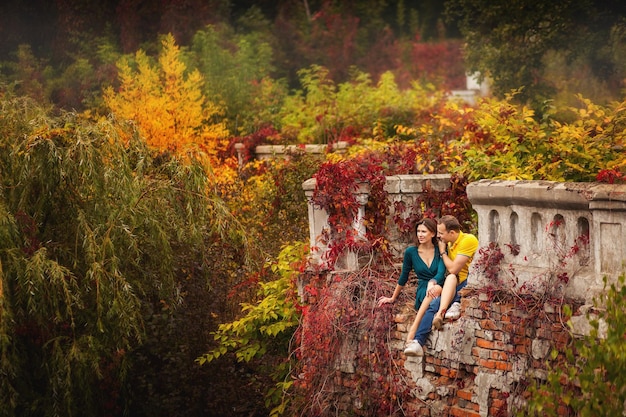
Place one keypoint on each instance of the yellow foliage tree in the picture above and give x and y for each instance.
(166, 103)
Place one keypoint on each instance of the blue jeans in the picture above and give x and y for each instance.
(427, 321)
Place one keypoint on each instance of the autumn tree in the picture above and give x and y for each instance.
(166, 102)
(514, 42)
(236, 68)
(101, 243)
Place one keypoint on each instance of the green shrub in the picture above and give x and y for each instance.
(589, 378)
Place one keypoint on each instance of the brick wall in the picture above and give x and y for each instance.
(477, 365)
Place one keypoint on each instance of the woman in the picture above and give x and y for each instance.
(423, 258)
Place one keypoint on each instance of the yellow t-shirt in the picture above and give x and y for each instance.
(466, 244)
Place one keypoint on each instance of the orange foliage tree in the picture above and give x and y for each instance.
(166, 102)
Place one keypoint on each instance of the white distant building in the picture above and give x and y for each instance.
(474, 88)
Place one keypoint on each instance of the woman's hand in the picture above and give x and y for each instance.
(434, 291)
(385, 300)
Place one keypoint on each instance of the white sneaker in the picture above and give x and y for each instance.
(454, 312)
(414, 349)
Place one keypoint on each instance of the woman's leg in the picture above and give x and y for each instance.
(425, 326)
(447, 295)
(418, 318)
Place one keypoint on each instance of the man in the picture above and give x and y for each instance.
(457, 251)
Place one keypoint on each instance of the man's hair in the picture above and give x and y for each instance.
(451, 223)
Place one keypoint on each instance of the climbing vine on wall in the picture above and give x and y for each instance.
(503, 282)
(337, 184)
(345, 358)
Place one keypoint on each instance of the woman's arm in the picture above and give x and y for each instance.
(407, 265)
(440, 276)
(393, 298)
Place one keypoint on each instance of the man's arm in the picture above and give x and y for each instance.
(454, 266)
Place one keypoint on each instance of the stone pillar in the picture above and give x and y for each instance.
(239, 147)
(609, 221)
(400, 188)
(350, 260)
(318, 224)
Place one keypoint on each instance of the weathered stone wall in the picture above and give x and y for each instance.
(479, 365)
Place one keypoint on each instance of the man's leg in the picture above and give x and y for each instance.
(447, 295)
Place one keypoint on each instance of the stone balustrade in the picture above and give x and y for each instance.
(403, 188)
(545, 228)
(263, 152)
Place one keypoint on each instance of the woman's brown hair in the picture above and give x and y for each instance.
(431, 225)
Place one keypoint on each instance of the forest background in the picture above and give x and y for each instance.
(132, 236)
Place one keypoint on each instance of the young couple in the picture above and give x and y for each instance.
(440, 246)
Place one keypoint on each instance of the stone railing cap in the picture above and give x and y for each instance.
(574, 195)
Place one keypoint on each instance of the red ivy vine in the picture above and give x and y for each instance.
(336, 192)
(337, 184)
(345, 361)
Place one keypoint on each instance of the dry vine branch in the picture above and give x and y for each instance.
(347, 339)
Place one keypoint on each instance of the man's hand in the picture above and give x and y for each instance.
(442, 246)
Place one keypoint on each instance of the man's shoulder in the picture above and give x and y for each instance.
(469, 238)
(468, 244)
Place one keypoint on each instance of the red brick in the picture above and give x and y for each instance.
(468, 302)
(499, 356)
(466, 395)
(493, 411)
(443, 380)
(460, 412)
(502, 346)
(497, 403)
(487, 363)
(561, 338)
(498, 335)
(508, 327)
(557, 328)
(431, 360)
(488, 324)
(520, 340)
(484, 343)
(452, 373)
(521, 349)
(503, 366)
